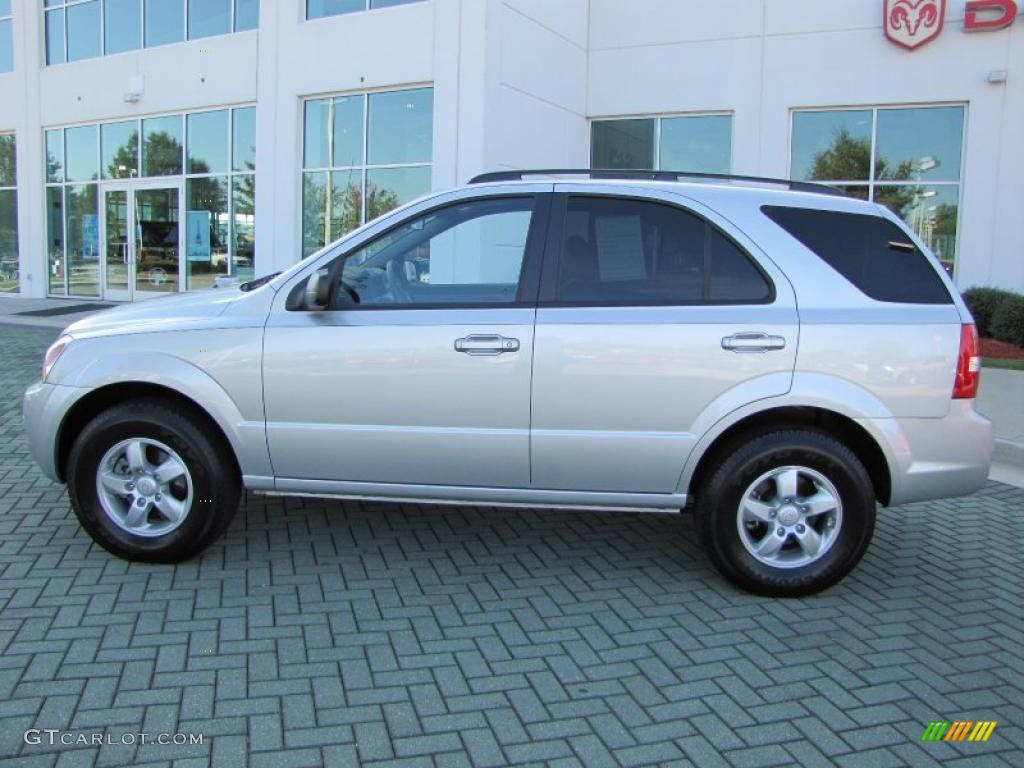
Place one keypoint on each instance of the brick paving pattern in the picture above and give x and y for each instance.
(322, 633)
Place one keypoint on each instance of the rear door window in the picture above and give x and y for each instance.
(626, 251)
(869, 251)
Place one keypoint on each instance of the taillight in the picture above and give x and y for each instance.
(968, 364)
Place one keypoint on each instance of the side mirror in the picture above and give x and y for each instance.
(318, 290)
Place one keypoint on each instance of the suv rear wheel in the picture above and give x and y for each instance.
(148, 482)
(787, 514)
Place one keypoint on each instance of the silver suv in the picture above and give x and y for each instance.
(773, 354)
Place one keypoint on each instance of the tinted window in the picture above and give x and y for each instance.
(617, 251)
(869, 251)
(465, 254)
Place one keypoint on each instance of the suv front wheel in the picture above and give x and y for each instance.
(149, 481)
(787, 514)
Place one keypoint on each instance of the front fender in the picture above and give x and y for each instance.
(93, 370)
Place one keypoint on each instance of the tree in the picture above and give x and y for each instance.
(162, 154)
(849, 159)
(125, 162)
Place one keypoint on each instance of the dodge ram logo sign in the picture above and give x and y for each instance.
(912, 23)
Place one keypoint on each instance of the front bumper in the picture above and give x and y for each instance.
(43, 408)
(938, 458)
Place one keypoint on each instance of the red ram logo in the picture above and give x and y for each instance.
(912, 23)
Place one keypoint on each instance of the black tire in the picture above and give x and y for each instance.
(718, 505)
(216, 485)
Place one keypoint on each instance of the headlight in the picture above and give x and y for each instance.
(53, 353)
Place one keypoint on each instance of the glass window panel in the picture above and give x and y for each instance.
(247, 14)
(832, 146)
(316, 9)
(346, 202)
(400, 126)
(8, 161)
(734, 278)
(388, 188)
(83, 232)
(858, 192)
(165, 21)
(462, 254)
(389, 3)
(922, 144)
(122, 22)
(316, 145)
(207, 228)
(55, 240)
(5, 7)
(243, 225)
(931, 211)
(83, 30)
(622, 144)
(314, 212)
(55, 155)
(119, 144)
(348, 131)
(630, 250)
(82, 153)
(208, 17)
(55, 37)
(208, 142)
(6, 46)
(9, 270)
(157, 222)
(243, 143)
(161, 146)
(860, 248)
(701, 143)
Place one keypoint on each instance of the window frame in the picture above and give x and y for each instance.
(10, 17)
(364, 167)
(555, 244)
(367, 6)
(60, 7)
(529, 275)
(658, 117)
(101, 182)
(871, 183)
(13, 187)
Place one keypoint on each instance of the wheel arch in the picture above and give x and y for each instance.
(841, 426)
(85, 409)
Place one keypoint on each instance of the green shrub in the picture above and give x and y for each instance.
(1008, 321)
(984, 303)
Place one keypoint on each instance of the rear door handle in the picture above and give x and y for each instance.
(753, 341)
(486, 344)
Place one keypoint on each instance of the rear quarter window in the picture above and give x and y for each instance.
(869, 251)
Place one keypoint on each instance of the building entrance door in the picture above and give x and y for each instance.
(142, 240)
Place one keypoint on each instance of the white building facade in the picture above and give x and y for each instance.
(155, 146)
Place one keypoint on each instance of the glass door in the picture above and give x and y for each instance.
(156, 216)
(117, 281)
(141, 236)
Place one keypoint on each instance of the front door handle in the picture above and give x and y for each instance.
(486, 344)
(753, 341)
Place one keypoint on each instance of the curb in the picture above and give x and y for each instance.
(1009, 452)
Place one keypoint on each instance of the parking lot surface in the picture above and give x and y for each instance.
(328, 633)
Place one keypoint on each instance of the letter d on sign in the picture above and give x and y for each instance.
(988, 15)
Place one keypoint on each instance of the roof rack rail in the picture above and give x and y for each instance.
(642, 175)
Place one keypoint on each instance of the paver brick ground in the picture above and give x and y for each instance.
(327, 633)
